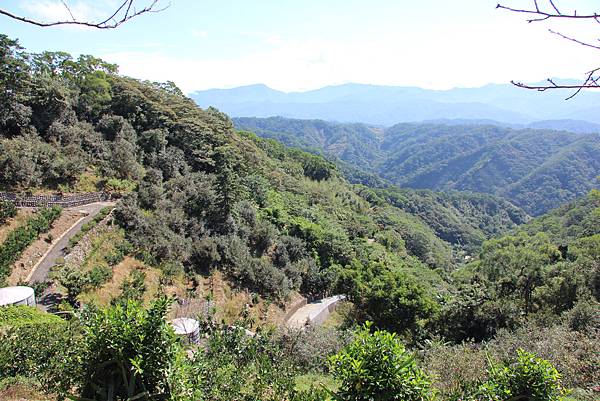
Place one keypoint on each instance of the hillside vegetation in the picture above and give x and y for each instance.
(205, 197)
(426, 270)
(537, 170)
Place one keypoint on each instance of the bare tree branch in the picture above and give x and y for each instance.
(597, 47)
(592, 80)
(544, 15)
(125, 12)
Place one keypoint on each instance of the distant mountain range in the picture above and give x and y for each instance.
(389, 105)
(537, 169)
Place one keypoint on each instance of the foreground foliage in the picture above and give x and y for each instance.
(126, 352)
(376, 366)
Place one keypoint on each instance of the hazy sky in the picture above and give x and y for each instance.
(305, 44)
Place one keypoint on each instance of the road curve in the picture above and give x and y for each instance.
(40, 272)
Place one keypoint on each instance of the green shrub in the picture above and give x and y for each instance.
(121, 250)
(529, 379)
(376, 366)
(310, 347)
(119, 185)
(584, 316)
(21, 237)
(574, 354)
(16, 316)
(99, 275)
(7, 211)
(235, 366)
(132, 289)
(127, 351)
(39, 346)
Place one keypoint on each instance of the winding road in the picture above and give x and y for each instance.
(40, 271)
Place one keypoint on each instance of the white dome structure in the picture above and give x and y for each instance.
(17, 296)
(187, 328)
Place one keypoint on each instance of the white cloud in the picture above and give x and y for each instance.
(52, 10)
(444, 57)
(198, 34)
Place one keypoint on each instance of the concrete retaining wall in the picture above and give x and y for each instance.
(330, 306)
(67, 200)
(314, 313)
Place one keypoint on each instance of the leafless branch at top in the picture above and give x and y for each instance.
(540, 15)
(122, 14)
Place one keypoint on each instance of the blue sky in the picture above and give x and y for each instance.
(298, 45)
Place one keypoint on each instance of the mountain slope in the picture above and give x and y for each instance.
(537, 170)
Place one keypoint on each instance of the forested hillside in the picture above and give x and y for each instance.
(198, 196)
(198, 199)
(546, 267)
(535, 169)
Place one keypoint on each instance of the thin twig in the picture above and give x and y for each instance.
(111, 22)
(574, 40)
(590, 82)
(68, 9)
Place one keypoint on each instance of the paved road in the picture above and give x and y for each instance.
(314, 313)
(40, 274)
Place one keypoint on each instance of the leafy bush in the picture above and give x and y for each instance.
(574, 354)
(99, 275)
(584, 316)
(122, 249)
(529, 378)
(376, 366)
(111, 354)
(21, 237)
(132, 289)
(236, 366)
(87, 227)
(458, 368)
(127, 351)
(7, 211)
(39, 346)
(309, 348)
(119, 185)
(391, 298)
(16, 316)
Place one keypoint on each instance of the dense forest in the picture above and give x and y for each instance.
(197, 196)
(535, 169)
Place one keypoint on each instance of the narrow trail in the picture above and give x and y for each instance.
(40, 271)
(314, 313)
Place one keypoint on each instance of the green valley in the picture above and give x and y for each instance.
(537, 170)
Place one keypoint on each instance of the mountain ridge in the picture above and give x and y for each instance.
(389, 105)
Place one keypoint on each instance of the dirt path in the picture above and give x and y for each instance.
(39, 272)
